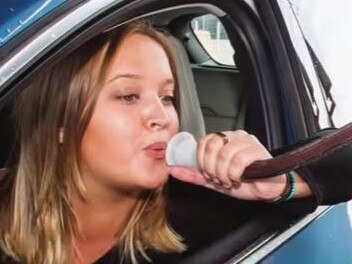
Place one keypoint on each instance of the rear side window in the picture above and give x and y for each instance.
(213, 37)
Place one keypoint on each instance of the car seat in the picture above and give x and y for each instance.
(191, 118)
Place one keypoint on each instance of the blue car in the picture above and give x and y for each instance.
(279, 69)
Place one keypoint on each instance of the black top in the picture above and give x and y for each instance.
(113, 256)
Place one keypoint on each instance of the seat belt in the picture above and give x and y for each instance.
(303, 155)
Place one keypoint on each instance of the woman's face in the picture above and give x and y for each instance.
(123, 147)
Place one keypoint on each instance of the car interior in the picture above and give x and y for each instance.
(214, 97)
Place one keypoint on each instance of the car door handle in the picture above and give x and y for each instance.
(305, 154)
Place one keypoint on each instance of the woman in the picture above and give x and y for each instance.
(90, 171)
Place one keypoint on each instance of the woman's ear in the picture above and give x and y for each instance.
(61, 135)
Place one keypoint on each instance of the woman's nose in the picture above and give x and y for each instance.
(155, 115)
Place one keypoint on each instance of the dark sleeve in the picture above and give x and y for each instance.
(330, 178)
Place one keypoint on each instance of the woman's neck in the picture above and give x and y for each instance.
(101, 219)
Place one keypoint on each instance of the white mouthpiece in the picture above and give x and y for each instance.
(182, 150)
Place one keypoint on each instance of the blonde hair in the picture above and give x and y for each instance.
(38, 221)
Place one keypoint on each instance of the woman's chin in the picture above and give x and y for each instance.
(154, 182)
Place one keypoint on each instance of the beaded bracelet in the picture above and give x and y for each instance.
(290, 191)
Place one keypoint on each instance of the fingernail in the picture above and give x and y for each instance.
(217, 181)
(235, 184)
(206, 176)
(227, 186)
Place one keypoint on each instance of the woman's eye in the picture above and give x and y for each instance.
(168, 99)
(129, 98)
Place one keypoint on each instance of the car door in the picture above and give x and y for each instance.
(280, 110)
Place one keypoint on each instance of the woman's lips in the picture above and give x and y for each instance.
(156, 150)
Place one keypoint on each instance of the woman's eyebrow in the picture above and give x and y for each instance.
(124, 75)
(168, 82)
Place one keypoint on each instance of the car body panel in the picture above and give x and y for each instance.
(328, 239)
(46, 40)
(17, 15)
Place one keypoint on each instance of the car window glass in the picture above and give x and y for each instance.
(214, 39)
(325, 25)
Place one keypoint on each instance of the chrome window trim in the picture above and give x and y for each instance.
(261, 250)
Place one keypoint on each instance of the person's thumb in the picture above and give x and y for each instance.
(187, 174)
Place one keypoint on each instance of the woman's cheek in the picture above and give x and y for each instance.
(175, 124)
